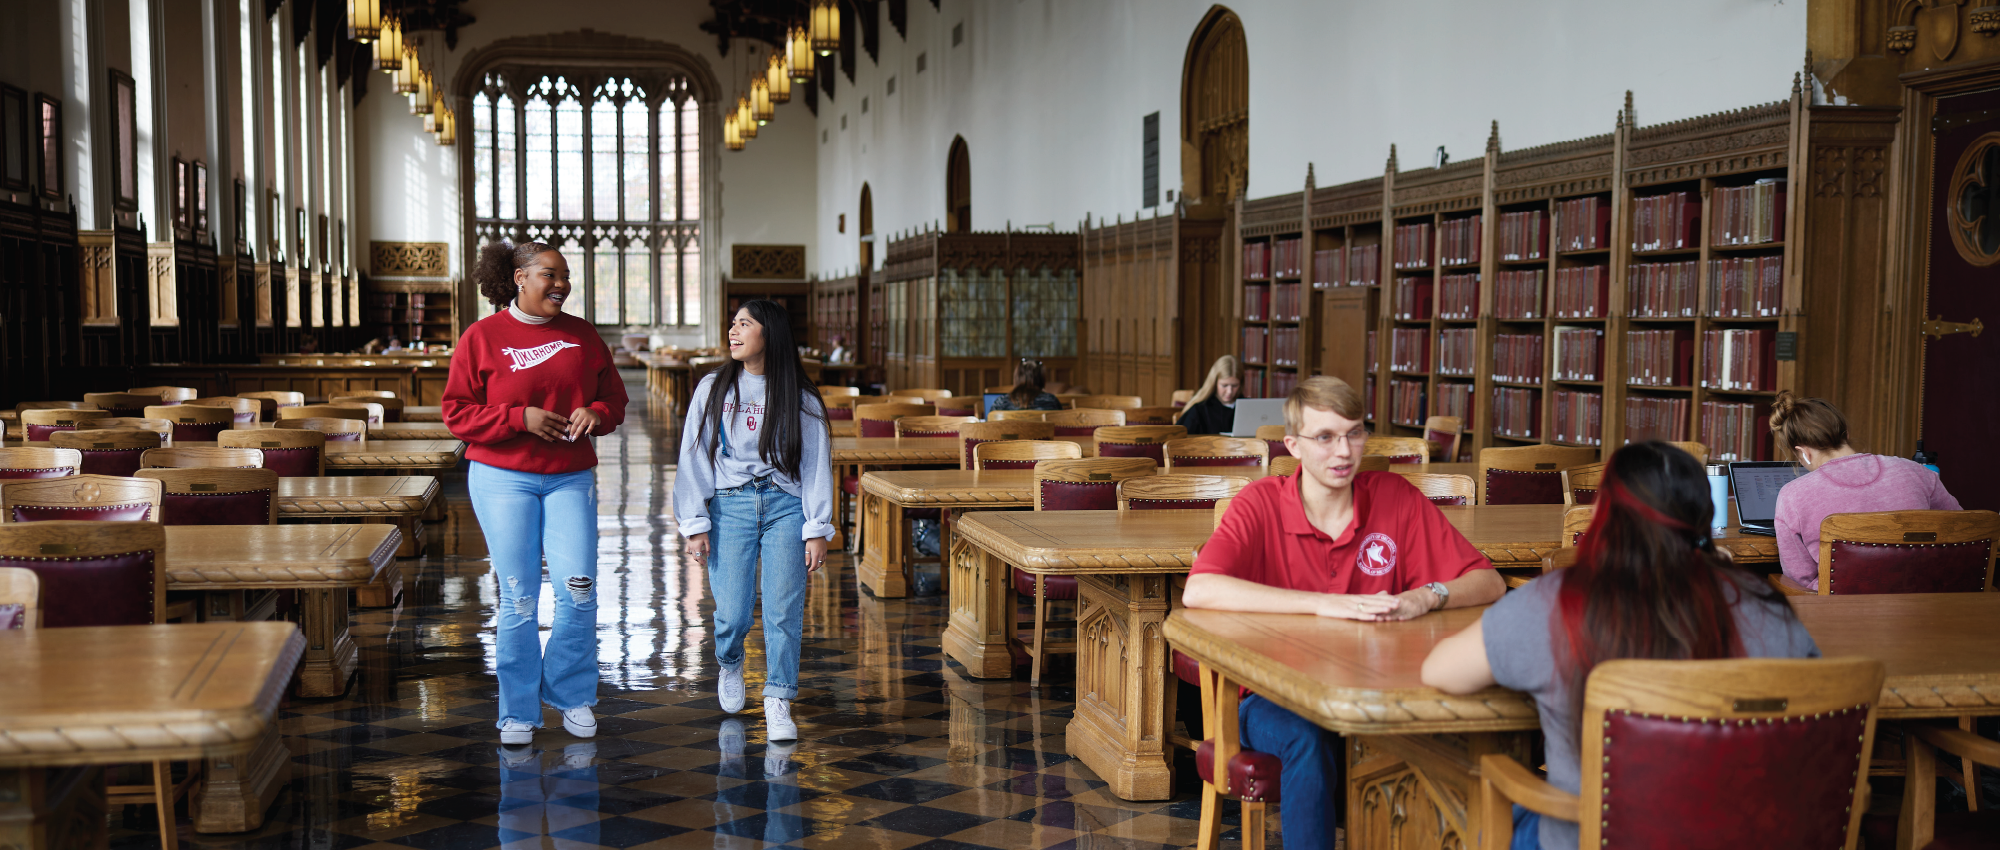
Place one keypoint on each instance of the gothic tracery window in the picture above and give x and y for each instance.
(606, 167)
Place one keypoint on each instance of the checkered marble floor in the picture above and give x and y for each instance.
(898, 748)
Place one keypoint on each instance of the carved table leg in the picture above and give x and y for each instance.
(885, 563)
(235, 792)
(384, 590)
(330, 654)
(982, 616)
(1420, 791)
(1123, 713)
(53, 808)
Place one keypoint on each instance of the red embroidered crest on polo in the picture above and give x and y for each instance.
(528, 358)
(1378, 554)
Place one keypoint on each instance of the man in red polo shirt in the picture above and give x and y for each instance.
(1338, 543)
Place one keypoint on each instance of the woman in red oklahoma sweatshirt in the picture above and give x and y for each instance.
(529, 387)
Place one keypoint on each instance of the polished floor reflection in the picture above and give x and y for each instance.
(898, 748)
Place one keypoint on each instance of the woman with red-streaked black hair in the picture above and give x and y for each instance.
(1648, 583)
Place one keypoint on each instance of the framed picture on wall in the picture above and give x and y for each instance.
(124, 143)
(48, 113)
(200, 197)
(179, 170)
(299, 232)
(16, 140)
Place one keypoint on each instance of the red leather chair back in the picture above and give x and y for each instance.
(1406, 458)
(52, 472)
(40, 433)
(248, 507)
(840, 414)
(1079, 495)
(120, 462)
(1583, 495)
(199, 432)
(1689, 781)
(1170, 504)
(1449, 501)
(1075, 430)
(875, 428)
(294, 463)
(1156, 451)
(355, 437)
(1246, 460)
(956, 411)
(1858, 568)
(96, 590)
(134, 512)
(1010, 464)
(1278, 448)
(1508, 487)
(1444, 439)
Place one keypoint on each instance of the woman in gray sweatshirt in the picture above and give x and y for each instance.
(755, 483)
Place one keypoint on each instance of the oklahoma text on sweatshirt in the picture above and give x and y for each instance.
(1859, 483)
(503, 366)
(737, 460)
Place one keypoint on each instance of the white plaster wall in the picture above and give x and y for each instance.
(1050, 95)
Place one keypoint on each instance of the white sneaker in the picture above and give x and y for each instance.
(515, 733)
(731, 737)
(580, 721)
(776, 756)
(730, 691)
(578, 756)
(778, 725)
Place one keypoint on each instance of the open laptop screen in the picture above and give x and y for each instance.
(1757, 484)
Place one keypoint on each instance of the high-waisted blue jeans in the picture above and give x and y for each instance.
(527, 516)
(758, 521)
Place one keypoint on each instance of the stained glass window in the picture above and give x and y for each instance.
(609, 170)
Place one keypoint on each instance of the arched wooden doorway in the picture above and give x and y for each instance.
(1215, 169)
(958, 188)
(866, 217)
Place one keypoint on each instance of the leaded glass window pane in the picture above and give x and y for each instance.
(670, 187)
(604, 274)
(637, 152)
(604, 159)
(670, 280)
(569, 158)
(506, 160)
(540, 146)
(482, 155)
(638, 284)
(690, 160)
(691, 283)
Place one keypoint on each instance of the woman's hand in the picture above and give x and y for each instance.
(815, 554)
(583, 423)
(697, 546)
(546, 424)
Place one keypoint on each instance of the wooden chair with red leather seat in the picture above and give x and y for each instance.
(39, 462)
(940, 426)
(202, 457)
(194, 423)
(271, 401)
(1022, 454)
(1136, 441)
(1580, 483)
(1919, 823)
(891, 398)
(348, 410)
(1107, 402)
(124, 404)
(1087, 484)
(247, 409)
(972, 434)
(105, 574)
(1228, 771)
(1174, 492)
(1399, 449)
(1274, 436)
(291, 452)
(37, 425)
(839, 408)
(20, 599)
(1445, 434)
(1151, 415)
(1771, 752)
(1082, 421)
(1699, 451)
(391, 406)
(879, 420)
(1208, 451)
(946, 403)
(1018, 415)
(168, 395)
(338, 429)
(217, 496)
(1283, 465)
(1445, 490)
(97, 498)
(162, 427)
(1904, 552)
(109, 451)
(1181, 397)
(1527, 475)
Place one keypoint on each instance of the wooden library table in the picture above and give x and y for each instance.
(385, 455)
(1412, 751)
(423, 413)
(319, 561)
(885, 565)
(396, 431)
(399, 500)
(1519, 536)
(81, 698)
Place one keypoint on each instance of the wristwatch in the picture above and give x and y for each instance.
(1444, 593)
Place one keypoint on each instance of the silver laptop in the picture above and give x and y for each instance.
(1756, 484)
(1254, 412)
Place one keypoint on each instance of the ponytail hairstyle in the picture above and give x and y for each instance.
(1810, 422)
(1648, 581)
(781, 437)
(1028, 382)
(1225, 367)
(494, 272)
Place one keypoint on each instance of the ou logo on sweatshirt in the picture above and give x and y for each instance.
(529, 358)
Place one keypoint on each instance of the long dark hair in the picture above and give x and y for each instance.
(781, 440)
(1028, 383)
(1648, 581)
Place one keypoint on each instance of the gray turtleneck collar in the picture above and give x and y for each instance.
(514, 307)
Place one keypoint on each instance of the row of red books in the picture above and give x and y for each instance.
(1519, 295)
(1253, 383)
(1662, 290)
(1523, 235)
(1453, 399)
(1748, 215)
(1517, 412)
(1736, 430)
(1458, 297)
(1739, 359)
(1659, 358)
(1413, 246)
(1458, 240)
(1582, 292)
(1583, 224)
(1372, 351)
(1280, 383)
(1256, 302)
(1284, 347)
(1667, 222)
(1454, 351)
(1413, 298)
(1579, 354)
(1266, 260)
(1652, 418)
(1287, 303)
(1368, 389)
(1517, 358)
(1579, 418)
(1410, 350)
(1745, 287)
(1357, 265)
(1406, 402)
(1256, 347)
(380, 299)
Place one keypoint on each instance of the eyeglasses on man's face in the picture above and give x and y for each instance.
(1357, 437)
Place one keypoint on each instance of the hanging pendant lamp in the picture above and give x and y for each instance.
(825, 27)
(389, 47)
(364, 20)
(799, 54)
(760, 100)
(778, 80)
(746, 121)
(420, 100)
(732, 138)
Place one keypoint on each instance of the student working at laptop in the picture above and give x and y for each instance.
(1212, 410)
(1840, 480)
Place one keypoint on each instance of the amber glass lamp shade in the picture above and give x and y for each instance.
(389, 47)
(760, 101)
(746, 121)
(778, 79)
(799, 54)
(364, 20)
(732, 138)
(825, 27)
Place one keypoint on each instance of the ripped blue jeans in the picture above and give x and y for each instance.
(526, 517)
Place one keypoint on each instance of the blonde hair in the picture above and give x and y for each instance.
(1321, 392)
(1810, 422)
(1225, 367)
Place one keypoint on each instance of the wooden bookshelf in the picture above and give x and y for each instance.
(957, 310)
(412, 311)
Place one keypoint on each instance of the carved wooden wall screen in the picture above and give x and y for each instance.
(409, 259)
(1216, 104)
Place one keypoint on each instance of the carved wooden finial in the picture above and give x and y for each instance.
(1309, 175)
(1392, 156)
(1795, 84)
(1493, 138)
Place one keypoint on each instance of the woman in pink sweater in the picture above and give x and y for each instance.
(1839, 480)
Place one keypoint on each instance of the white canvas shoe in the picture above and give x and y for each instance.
(580, 721)
(778, 725)
(730, 690)
(516, 733)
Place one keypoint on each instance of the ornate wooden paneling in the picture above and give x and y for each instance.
(1576, 167)
(1130, 309)
(409, 259)
(767, 262)
(1749, 139)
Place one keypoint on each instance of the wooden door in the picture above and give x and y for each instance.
(1962, 372)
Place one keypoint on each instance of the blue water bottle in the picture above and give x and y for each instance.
(1928, 459)
(1718, 492)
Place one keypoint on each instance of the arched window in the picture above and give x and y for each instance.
(958, 188)
(608, 168)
